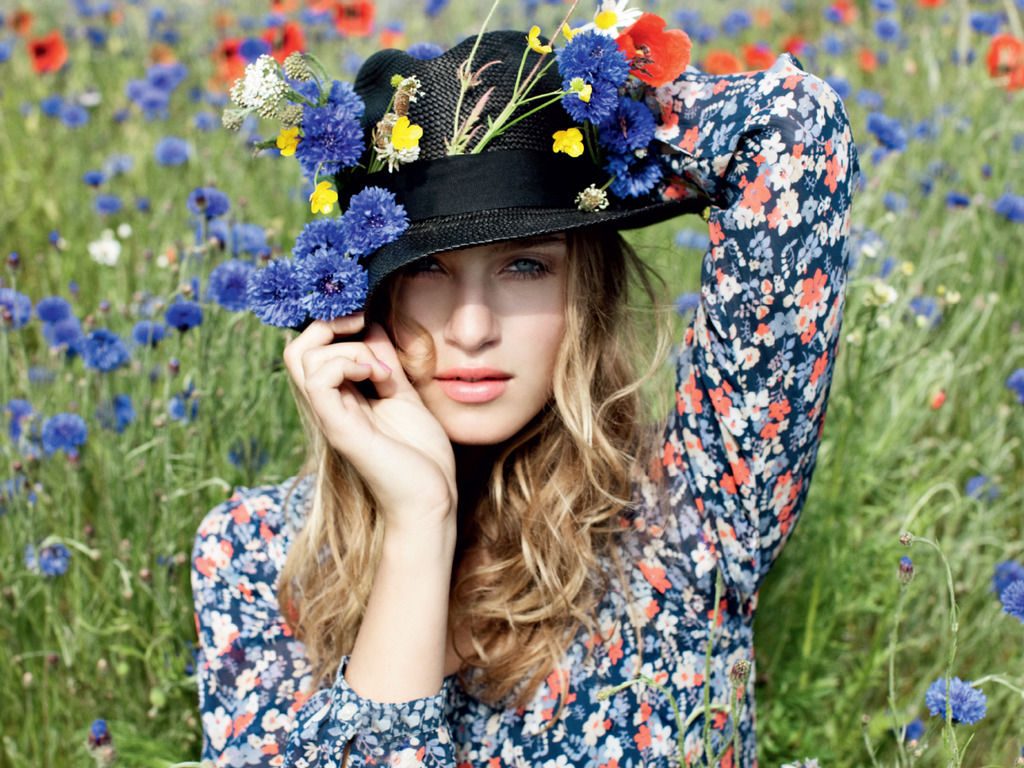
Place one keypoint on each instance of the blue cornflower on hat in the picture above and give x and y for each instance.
(336, 285)
(104, 351)
(597, 60)
(183, 315)
(228, 282)
(275, 295)
(373, 219)
(17, 305)
(51, 561)
(629, 128)
(116, 414)
(64, 432)
(967, 703)
(332, 134)
(633, 177)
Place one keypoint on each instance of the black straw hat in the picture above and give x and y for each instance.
(515, 187)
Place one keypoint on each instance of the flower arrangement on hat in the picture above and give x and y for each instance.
(607, 70)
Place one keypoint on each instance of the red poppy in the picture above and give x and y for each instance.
(719, 62)
(21, 22)
(1005, 54)
(867, 60)
(49, 53)
(656, 55)
(285, 40)
(930, 3)
(282, 6)
(354, 18)
(229, 61)
(795, 44)
(846, 11)
(762, 17)
(758, 56)
(390, 37)
(1016, 82)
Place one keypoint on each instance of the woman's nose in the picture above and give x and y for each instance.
(472, 324)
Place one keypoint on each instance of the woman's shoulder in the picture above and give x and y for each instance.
(250, 531)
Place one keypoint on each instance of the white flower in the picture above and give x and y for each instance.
(262, 87)
(106, 250)
(395, 157)
(611, 17)
(124, 231)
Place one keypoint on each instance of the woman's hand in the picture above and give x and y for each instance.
(393, 441)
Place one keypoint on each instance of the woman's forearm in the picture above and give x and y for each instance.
(399, 652)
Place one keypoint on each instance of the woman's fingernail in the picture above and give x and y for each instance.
(385, 366)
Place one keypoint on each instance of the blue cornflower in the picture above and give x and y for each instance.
(326, 233)
(1015, 381)
(228, 282)
(99, 733)
(914, 731)
(253, 47)
(894, 202)
(632, 177)
(884, 6)
(183, 315)
(117, 165)
(332, 135)
(979, 483)
(250, 456)
(840, 85)
(51, 105)
(166, 77)
(64, 432)
(735, 22)
(94, 178)
(66, 333)
(687, 302)
(20, 411)
(629, 128)
(6, 47)
(887, 29)
(275, 295)
(17, 305)
(1010, 207)
(205, 121)
(108, 204)
(986, 23)
(887, 130)
(424, 51)
(148, 333)
(171, 150)
(1005, 574)
(209, 202)
(598, 61)
(870, 99)
(104, 351)
(184, 406)
(52, 560)
(928, 308)
(373, 219)
(966, 702)
(1012, 599)
(53, 309)
(73, 115)
(956, 199)
(116, 414)
(434, 7)
(337, 284)
(248, 238)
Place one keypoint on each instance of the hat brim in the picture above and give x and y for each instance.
(449, 233)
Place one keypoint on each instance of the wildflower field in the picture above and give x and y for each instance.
(135, 395)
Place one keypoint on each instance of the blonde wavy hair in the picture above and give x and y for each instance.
(551, 513)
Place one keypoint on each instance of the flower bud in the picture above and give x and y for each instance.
(290, 115)
(297, 68)
(906, 538)
(232, 119)
(906, 570)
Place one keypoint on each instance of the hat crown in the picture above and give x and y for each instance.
(434, 109)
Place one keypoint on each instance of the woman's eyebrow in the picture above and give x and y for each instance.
(531, 242)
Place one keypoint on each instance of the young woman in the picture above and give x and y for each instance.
(488, 533)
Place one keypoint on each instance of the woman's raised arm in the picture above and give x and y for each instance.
(773, 152)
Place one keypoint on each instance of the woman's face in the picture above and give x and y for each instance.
(495, 317)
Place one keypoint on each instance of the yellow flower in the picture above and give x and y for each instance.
(581, 88)
(288, 140)
(569, 141)
(606, 19)
(323, 198)
(568, 32)
(534, 40)
(405, 135)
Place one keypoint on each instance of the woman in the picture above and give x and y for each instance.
(488, 543)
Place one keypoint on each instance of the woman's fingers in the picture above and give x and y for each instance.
(379, 344)
(319, 334)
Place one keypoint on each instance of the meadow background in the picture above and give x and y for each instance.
(925, 424)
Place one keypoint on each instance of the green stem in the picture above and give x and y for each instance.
(893, 635)
(464, 85)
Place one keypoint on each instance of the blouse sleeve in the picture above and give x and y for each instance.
(773, 153)
(255, 682)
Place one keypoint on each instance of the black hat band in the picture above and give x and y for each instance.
(458, 184)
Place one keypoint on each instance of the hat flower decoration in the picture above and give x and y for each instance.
(404, 162)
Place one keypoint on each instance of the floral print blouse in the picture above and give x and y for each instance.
(773, 153)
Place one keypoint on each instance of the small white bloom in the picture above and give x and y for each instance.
(612, 17)
(262, 87)
(124, 231)
(106, 250)
(396, 157)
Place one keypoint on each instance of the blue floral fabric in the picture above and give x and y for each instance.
(773, 154)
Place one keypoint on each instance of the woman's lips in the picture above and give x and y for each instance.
(473, 385)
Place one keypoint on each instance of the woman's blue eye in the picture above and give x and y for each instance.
(526, 268)
(423, 267)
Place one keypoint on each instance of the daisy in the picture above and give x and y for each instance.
(612, 16)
